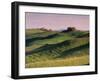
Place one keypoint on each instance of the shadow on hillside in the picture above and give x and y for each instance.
(73, 50)
(30, 40)
(48, 47)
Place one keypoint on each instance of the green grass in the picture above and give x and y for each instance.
(52, 48)
(72, 61)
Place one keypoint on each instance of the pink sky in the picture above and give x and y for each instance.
(56, 21)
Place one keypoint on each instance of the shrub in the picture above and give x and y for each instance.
(69, 29)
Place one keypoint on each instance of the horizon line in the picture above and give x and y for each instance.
(56, 29)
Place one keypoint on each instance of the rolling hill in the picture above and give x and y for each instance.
(56, 48)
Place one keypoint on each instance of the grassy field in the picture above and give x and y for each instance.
(56, 48)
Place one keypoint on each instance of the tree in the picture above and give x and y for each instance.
(69, 29)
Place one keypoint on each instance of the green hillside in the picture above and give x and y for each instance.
(56, 48)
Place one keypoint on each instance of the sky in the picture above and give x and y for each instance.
(56, 21)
